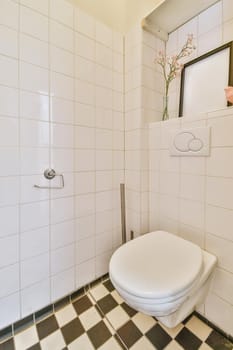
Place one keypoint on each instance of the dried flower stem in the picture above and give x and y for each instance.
(171, 67)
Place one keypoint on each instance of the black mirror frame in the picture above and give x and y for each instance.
(212, 52)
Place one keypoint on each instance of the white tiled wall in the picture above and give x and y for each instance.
(192, 197)
(142, 88)
(61, 93)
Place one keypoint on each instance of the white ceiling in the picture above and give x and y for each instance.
(121, 15)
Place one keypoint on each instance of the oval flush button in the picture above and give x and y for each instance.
(195, 145)
(190, 142)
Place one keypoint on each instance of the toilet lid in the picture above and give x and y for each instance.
(156, 265)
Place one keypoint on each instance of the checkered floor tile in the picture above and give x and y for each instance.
(102, 320)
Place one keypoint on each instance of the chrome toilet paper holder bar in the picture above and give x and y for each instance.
(50, 174)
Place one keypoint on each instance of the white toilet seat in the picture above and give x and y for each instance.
(169, 270)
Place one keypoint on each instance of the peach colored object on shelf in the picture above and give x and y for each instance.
(229, 93)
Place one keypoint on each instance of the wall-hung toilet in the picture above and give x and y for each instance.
(162, 275)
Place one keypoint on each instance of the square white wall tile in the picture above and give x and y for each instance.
(192, 187)
(84, 115)
(227, 10)
(62, 136)
(61, 36)
(85, 250)
(62, 234)
(118, 42)
(104, 56)
(34, 270)
(62, 284)
(33, 243)
(104, 77)
(84, 47)
(9, 128)
(62, 159)
(8, 42)
(62, 61)
(62, 259)
(102, 263)
(169, 183)
(118, 160)
(84, 23)
(103, 242)
(104, 34)
(67, 190)
(210, 18)
(84, 92)
(9, 14)
(35, 297)
(222, 285)
(33, 23)
(104, 117)
(7, 107)
(219, 222)
(219, 312)
(34, 79)
(84, 182)
(219, 192)
(104, 201)
(84, 69)
(34, 106)
(9, 158)
(227, 31)
(84, 137)
(85, 273)
(192, 234)
(192, 213)
(104, 160)
(220, 164)
(104, 221)
(62, 86)
(34, 133)
(62, 11)
(209, 40)
(9, 220)
(61, 111)
(193, 165)
(103, 139)
(40, 6)
(8, 71)
(34, 215)
(104, 180)
(9, 191)
(84, 205)
(10, 280)
(85, 160)
(85, 227)
(34, 51)
(34, 161)
(221, 131)
(62, 209)
(222, 249)
(10, 309)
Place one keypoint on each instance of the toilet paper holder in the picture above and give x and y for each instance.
(50, 174)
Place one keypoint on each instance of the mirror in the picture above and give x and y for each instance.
(203, 81)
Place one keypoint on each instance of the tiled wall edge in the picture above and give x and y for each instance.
(212, 325)
(47, 311)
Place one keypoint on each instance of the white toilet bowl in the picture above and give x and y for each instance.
(162, 275)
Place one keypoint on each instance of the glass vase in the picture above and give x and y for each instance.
(165, 107)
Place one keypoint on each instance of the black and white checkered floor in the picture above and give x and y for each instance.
(101, 320)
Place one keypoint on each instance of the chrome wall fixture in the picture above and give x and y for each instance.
(50, 174)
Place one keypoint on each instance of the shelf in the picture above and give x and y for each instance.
(171, 14)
